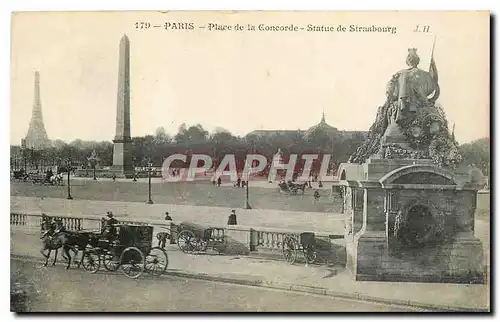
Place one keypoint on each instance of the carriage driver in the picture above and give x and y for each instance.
(49, 225)
(110, 228)
(59, 227)
(54, 228)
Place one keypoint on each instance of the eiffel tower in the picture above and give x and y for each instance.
(37, 137)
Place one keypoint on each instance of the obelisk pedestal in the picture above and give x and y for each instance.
(122, 143)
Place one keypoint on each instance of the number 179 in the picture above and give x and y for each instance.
(142, 25)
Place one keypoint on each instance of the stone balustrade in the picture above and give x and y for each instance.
(18, 219)
(234, 239)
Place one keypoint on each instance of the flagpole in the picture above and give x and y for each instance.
(432, 52)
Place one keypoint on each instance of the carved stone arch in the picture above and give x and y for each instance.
(419, 174)
(421, 222)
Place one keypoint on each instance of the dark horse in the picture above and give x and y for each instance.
(74, 241)
(59, 240)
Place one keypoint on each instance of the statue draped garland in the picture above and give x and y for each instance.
(410, 125)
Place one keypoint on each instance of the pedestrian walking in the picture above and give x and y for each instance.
(231, 220)
(316, 196)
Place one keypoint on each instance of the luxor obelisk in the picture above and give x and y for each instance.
(122, 143)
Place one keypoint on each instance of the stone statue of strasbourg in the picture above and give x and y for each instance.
(410, 125)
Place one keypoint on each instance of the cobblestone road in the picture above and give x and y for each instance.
(55, 289)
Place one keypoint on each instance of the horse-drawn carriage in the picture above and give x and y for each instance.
(128, 249)
(197, 238)
(291, 187)
(20, 175)
(303, 242)
(125, 247)
(47, 178)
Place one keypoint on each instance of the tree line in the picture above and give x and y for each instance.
(195, 139)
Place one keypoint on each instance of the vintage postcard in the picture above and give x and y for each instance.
(225, 161)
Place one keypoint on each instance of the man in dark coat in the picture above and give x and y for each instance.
(231, 220)
(164, 236)
(110, 226)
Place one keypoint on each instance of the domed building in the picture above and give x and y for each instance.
(322, 127)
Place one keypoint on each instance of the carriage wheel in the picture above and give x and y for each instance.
(157, 261)
(132, 262)
(290, 249)
(109, 262)
(186, 241)
(90, 261)
(309, 254)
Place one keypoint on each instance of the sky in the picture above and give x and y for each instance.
(240, 81)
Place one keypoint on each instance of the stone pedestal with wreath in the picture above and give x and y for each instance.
(409, 208)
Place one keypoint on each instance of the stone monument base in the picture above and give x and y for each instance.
(122, 159)
(410, 221)
(460, 261)
(124, 172)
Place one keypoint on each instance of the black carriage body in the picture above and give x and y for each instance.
(307, 239)
(137, 236)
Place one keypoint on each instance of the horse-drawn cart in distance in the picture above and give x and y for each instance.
(197, 238)
(291, 187)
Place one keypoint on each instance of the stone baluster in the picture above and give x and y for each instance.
(261, 239)
(279, 240)
(267, 240)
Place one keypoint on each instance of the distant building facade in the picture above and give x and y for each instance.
(322, 126)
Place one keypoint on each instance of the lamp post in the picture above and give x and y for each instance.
(69, 182)
(247, 203)
(93, 161)
(25, 160)
(150, 165)
(133, 166)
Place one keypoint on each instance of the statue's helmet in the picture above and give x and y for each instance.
(412, 60)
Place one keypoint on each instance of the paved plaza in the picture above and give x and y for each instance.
(262, 195)
(216, 216)
(332, 279)
(325, 279)
(54, 291)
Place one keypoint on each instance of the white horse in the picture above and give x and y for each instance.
(56, 179)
